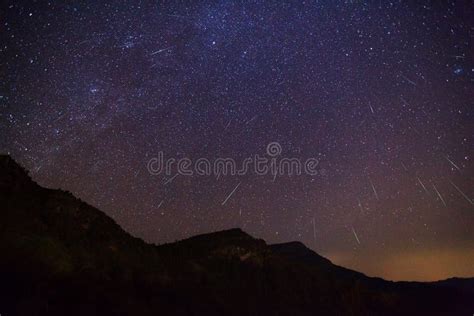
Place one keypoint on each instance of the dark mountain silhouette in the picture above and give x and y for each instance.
(60, 256)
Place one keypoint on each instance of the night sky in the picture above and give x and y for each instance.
(381, 93)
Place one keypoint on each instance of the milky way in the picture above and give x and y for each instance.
(380, 93)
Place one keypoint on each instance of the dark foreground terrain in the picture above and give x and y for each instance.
(60, 256)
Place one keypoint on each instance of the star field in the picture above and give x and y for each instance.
(381, 93)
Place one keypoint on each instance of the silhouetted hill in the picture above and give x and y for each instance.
(298, 253)
(60, 256)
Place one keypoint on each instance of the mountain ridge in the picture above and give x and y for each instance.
(61, 255)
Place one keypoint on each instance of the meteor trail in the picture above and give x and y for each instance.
(422, 185)
(462, 193)
(159, 205)
(228, 124)
(228, 197)
(404, 167)
(415, 130)
(373, 188)
(171, 179)
(355, 235)
(455, 166)
(406, 78)
(404, 101)
(161, 50)
(360, 206)
(253, 118)
(439, 194)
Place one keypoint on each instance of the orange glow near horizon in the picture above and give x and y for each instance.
(428, 265)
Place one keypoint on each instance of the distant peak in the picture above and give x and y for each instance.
(12, 175)
(230, 233)
(291, 244)
(236, 231)
(7, 162)
(4, 159)
(224, 237)
(298, 251)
